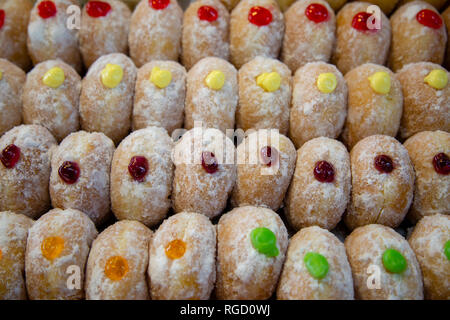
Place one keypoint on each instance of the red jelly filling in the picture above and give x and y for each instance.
(429, 19)
(316, 13)
(207, 13)
(384, 163)
(69, 172)
(10, 156)
(359, 21)
(324, 171)
(441, 163)
(159, 4)
(47, 9)
(2, 18)
(209, 162)
(259, 16)
(97, 9)
(269, 155)
(138, 168)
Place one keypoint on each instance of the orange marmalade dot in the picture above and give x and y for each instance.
(52, 247)
(116, 268)
(175, 249)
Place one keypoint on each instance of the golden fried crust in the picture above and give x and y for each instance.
(242, 272)
(386, 5)
(369, 112)
(129, 240)
(446, 17)
(296, 283)
(192, 276)
(432, 190)
(48, 279)
(336, 4)
(230, 4)
(55, 109)
(438, 4)
(365, 247)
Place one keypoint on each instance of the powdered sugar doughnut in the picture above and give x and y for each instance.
(155, 31)
(11, 83)
(264, 95)
(25, 170)
(429, 152)
(106, 99)
(51, 96)
(118, 261)
(438, 4)
(382, 182)
(319, 103)
(446, 17)
(256, 29)
(81, 168)
(59, 241)
(211, 94)
(301, 279)
(104, 29)
(160, 94)
(141, 176)
(205, 32)
(183, 258)
(376, 250)
(320, 188)
(13, 241)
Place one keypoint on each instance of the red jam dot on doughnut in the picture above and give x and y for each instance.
(359, 21)
(159, 4)
(324, 172)
(2, 18)
(207, 13)
(47, 9)
(69, 172)
(259, 16)
(209, 162)
(138, 168)
(384, 164)
(316, 13)
(441, 163)
(10, 156)
(97, 9)
(429, 19)
(269, 155)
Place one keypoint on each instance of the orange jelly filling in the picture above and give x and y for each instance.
(116, 268)
(175, 249)
(52, 247)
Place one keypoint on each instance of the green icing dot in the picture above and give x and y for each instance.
(316, 264)
(394, 261)
(265, 241)
(447, 249)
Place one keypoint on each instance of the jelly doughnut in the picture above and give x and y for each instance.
(159, 96)
(205, 32)
(58, 245)
(211, 94)
(336, 4)
(118, 261)
(106, 100)
(256, 29)
(141, 176)
(438, 4)
(382, 182)
(51, 97)
(155, 31)
(251, 246)
(183, 258)
(80, 175)
(25, 170)
(383, 264)
(446, 17)
(429, 152)
(316, 268)
(319, 103)
(310, 33)
(320, 189)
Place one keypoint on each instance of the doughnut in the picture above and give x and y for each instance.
(251, 247)
(141, 176)
(429, 152)
(382, 182)
(438, 4)
(211, 94)
(316, 268)
(310, 33)
(118, 261)
(426, 98)
(256, 29)
(183, 258)
(375, 103)
(265, 164)
(336, 4)
(48, 35)
(320, 189)
(358, 39)
(80, 174)
(58, 246)
(159, 96)
(14, 17)
(387, 6)
(430, 241)
(25, 170)
(383, 264)
(205, 172)
(205, 32)
(104, 29)
(12, 79)
(13, 241)
(155, 31)
(418, 35)
(446, 17)
(319, 103)
(51, 97)
(106, 100)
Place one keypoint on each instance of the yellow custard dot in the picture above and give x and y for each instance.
(52, 247)
(326, 82)
(116, 268)
(175, 249)
(270, 82)
(437, 79)
(54, 77)
(380, 82)
(215, 80)
(112, 75)
(160, 77)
